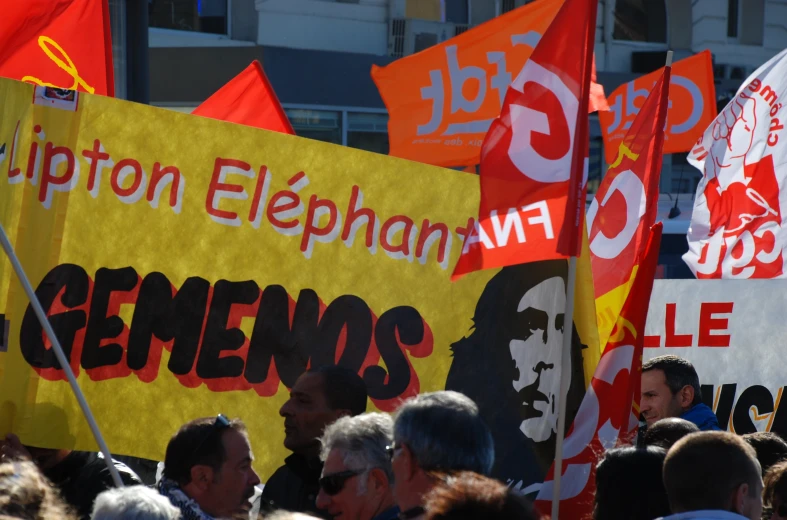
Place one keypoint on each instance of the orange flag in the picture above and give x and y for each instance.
(625, 206)
(441, 101)
(63, 44)
(247, 99)
(692, 99)
(532, 167)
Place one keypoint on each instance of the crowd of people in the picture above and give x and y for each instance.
(431, 460)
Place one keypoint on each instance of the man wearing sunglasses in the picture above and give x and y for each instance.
(436, 434)
(318, 398)
(207, 469)
(357, 479)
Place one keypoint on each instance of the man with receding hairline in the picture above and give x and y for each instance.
(319, 397)
(713, 476)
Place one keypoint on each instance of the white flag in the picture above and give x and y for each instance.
(739, 225)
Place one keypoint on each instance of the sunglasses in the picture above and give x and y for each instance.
(391, 450)
(334, 483)
(219, 424)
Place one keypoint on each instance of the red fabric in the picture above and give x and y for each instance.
(617, 233)
(533, 157)
(58, 43)
(609, 412)
(598, 101)
(247, 99)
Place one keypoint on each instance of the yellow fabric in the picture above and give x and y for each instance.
(139, 411)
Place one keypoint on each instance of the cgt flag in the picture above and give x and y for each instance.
(247, 99)
(625, 206)
(443, 100)
(737, 227)
(610, 409)
(534, 157)
(692, 100)
(62, 44)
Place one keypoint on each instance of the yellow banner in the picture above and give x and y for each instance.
(192, 267)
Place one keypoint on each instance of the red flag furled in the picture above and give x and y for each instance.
(625, 206)
(610, 409)
(534, 157)
(63, 44)
(247, 99)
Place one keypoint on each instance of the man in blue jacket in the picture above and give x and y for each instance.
(671, 388)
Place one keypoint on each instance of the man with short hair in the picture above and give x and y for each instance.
(318, 398)
(357, 479)
(671, 388)
(664, 433)
(771, 449)
(434, 434)
(713, 476)
(207, 469)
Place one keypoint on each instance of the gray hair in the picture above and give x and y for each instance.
(445, 432)
(362, 440)
(133, 503)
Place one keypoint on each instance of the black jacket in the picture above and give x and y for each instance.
(82, 475)
(294, 486)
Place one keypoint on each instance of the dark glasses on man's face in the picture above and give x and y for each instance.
(220, 423)
(334, 483)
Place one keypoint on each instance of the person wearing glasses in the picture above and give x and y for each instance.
(357, 478)
(318, 398)
(435, 435)
(207, 469)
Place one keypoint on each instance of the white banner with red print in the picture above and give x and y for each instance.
(733, 331)
(738, 225)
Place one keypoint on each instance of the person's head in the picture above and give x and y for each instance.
(210, 460)
(25, 493)
(629, 485)
(357, 479)
(469, 496)
(775, 493)
(438, 432)
(508, 363)
(664, 433)
(133, 503)
(713, 471)
(318, 398)
(769, 446)
(670, 386)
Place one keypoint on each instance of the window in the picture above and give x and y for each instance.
(456, 11)
(640, 21)
(368, 131)
(320, 125)
(207, 16)
(733, 18)
(117, 20)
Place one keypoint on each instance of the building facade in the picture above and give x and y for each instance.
(318, 55)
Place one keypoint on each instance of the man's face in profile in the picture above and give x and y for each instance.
(537, 357)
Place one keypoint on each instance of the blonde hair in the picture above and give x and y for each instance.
(26, 493)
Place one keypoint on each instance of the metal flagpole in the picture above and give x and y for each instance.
(565, 380)
(61, 357)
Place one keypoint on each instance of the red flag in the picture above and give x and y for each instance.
(534, 157)
(58, 43)
(247, 99)
(625, 206)
(609, 411)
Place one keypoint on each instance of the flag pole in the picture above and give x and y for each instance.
(565, 380)
(61, 357)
